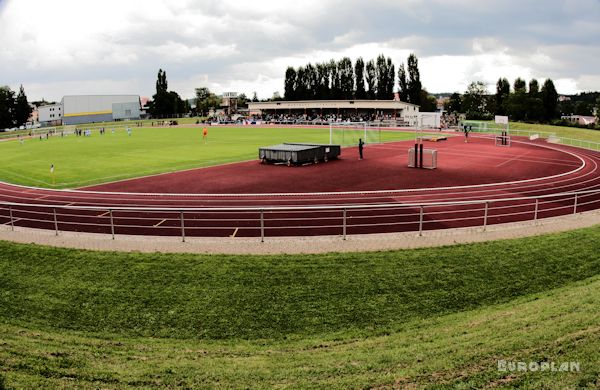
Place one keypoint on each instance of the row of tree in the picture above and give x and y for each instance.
(520, 104)
(14, 110)
(343, 80)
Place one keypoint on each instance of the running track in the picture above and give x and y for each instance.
(380, 194)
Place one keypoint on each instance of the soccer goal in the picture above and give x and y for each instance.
(348, 133)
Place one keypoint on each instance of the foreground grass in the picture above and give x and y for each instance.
(453, 351)
(439, 315)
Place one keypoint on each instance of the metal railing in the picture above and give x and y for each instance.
(262, 222)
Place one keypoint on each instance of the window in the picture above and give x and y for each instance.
(127, 112)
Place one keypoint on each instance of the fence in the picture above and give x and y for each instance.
(297, 220)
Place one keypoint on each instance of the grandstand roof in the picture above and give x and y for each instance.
(316, 104)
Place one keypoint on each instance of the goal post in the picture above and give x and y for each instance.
(348, 133)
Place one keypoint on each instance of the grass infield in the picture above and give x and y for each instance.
(82, 161)
(436, 316)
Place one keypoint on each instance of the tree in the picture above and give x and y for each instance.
(346, 75)
(290, 84)
(359, 76)
(402, 84)
(502, 94)
(7, 107)
(334, 77)
(385, 77)
(475, 103)
(242, 100)
(22, 108)
(161, 82)
(549, 100)
(162, 103)
(254, 97)
(414, 80)
(534, 88)
(516, 105)
(428, 102)
(535, 106)
(454, 103)
(206, 101)
(520, 86)
(371, 77)
(322, 80)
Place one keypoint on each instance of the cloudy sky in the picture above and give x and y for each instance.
(61, 47)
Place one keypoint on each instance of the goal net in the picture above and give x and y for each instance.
(348, 133)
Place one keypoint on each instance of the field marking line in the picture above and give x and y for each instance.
(104, 214)
(160, 223)
(512, 159)
(42, 197)
(234, 232)
(70, 203)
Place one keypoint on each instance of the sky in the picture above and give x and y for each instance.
(67, 47)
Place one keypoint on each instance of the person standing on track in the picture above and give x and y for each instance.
(360, 148)
(204, 134)
(467, 130)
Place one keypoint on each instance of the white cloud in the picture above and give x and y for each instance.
(69, 46)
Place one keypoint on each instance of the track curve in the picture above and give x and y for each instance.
(318, 213)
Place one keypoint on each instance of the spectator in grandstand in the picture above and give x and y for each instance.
(360, 148)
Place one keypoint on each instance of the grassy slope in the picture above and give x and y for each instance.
(89, 160)
(421, 316)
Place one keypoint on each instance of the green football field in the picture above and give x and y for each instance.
(82, 161)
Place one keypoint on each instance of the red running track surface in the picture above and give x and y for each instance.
(478, 170)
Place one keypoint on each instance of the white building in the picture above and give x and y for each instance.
(50, 114)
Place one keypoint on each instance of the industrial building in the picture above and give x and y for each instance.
(77, 109)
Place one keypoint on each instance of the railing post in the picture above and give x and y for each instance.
(485, 216)
(344, 224)
(112, 224)
(182, 226)
(262, 225)
(535, 213)
(55, 222)
(575, 205)
(12, 222)
(421, 222)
